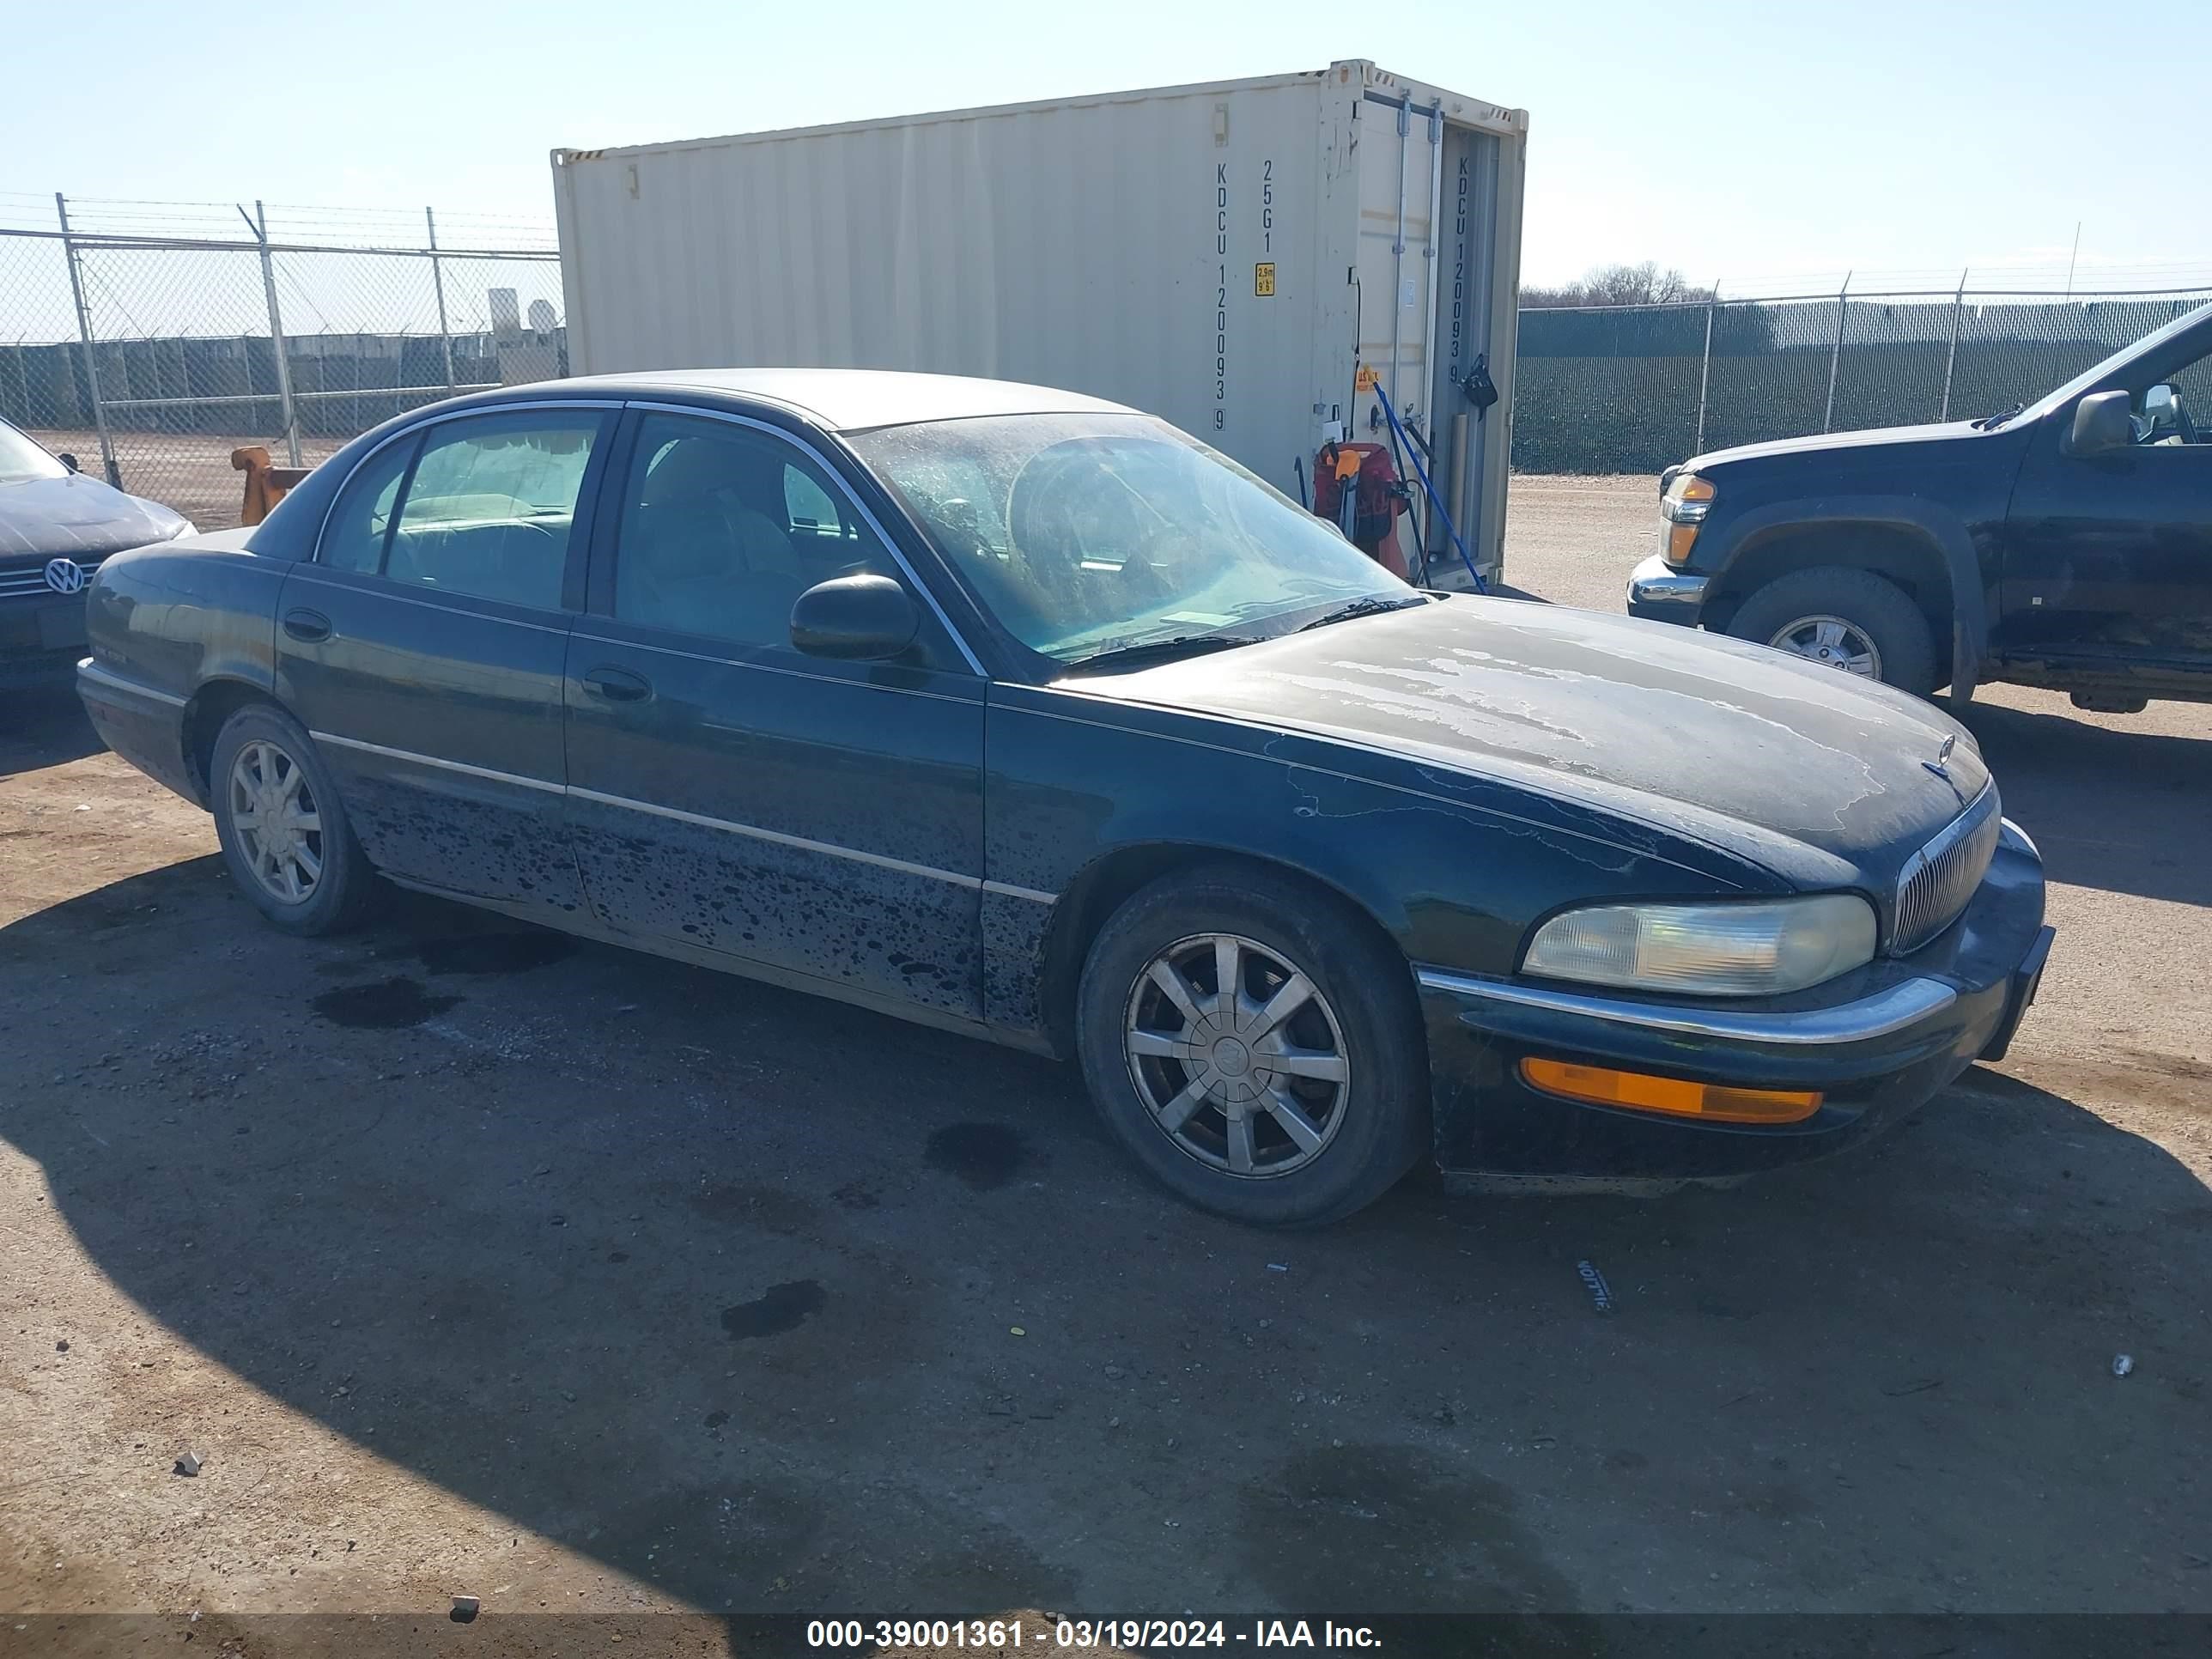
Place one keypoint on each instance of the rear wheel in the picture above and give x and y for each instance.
(282, 827)
(1255, 1045)
(1843, 618)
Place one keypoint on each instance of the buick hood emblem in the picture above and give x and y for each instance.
(64, 575)
(1944, 754)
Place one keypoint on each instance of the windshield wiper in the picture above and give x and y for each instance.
(1177, 645)
(1991, 422)
(1371, 605)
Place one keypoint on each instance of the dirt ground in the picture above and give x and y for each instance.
(189, 471)
(470, 1260)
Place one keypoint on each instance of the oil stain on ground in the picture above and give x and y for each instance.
(984, 1154)
(1384, 1527)
(781, 1307)
(494, 953)
(389, 1005)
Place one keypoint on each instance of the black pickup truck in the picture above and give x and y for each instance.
(2065, 544)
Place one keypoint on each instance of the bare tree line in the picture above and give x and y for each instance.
(1641, 284)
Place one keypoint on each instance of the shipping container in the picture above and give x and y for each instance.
(1248, 259)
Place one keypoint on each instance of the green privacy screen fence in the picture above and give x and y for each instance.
(1637, 388)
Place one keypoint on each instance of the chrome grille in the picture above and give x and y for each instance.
(23, 581)
(1938, 879)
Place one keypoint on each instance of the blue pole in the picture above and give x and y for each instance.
(1415, 455)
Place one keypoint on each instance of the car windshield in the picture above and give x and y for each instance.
(1085, 534)
(2093, 377)
(22, 460)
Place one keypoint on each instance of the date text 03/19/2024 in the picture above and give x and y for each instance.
(1084, 1633)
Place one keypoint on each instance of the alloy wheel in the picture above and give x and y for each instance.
(278, 824)
(1237, 1055)
(1833, 643)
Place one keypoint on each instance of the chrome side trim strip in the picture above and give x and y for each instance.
(880, 860)
(1851, 1021)
(1007, 890)
(408, 754)
(889, 542)
(87, 669)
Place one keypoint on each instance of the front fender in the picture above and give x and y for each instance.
(1943, 529)
(1072, 783)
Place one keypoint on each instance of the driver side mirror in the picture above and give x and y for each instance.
(2101, 426)
(856, 619)
(69, 461)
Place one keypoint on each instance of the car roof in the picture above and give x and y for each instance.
(855, 399)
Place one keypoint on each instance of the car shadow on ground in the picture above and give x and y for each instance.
(43, 725)
(778, 1306)
(2124, 812)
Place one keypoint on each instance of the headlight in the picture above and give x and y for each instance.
(1760, 948)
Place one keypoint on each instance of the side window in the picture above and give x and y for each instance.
(355, 533)
(491, 507)
(810, 509)
(2183, 414)
(724, 526)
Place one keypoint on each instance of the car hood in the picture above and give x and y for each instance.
(1839, 441)
(1733, 744)
(77, 517)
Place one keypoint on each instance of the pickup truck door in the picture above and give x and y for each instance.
(2108, 558)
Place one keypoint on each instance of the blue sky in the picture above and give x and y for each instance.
(1751, 142)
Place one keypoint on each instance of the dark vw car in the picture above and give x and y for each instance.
(56, 526)
(1014, 712)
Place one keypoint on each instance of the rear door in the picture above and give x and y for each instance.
(728, 794)
(424, 646)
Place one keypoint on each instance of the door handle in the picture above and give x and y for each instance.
(307, 625)
(619, 685)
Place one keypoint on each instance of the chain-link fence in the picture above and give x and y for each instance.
(141, 338)
(1637, 388)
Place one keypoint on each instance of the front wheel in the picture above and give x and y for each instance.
(1255, 1045)
(281, 826)
(1843, 618)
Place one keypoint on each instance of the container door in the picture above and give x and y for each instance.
(1467, 266)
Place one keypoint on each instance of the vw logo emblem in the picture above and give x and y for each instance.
(64, 575)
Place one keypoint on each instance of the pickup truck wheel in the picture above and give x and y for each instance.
(1852, 620)
(1256, 1046)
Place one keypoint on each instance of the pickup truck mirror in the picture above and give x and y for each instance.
(2101, 425)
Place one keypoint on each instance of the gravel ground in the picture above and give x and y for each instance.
(470, 1260)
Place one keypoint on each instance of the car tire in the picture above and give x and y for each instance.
(1791, 610)
(1362, 1021)
(307, 881)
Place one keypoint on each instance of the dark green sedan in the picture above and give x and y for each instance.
(1015, 712)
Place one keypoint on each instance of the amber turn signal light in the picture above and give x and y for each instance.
(1681, 537)
(1711, 1102)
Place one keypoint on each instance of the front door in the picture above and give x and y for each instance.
(727, 792)
(2108, 558)
(424, 645)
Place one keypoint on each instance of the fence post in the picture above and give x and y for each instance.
(438, 282)
(1836, 355)
(1951, 356)
(84, 335)
(1705, 371)
(261, 223)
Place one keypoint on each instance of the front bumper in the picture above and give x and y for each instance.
(40, 637)
(1657, 592)
(1877, 1043)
